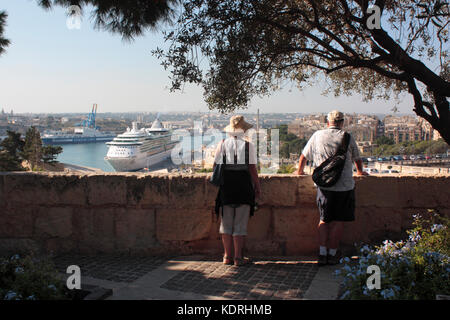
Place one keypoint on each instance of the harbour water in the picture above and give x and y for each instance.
(92, 154)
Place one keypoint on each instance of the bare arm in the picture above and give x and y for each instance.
(359, 168)
(301, 165)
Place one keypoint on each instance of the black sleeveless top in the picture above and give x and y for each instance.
(237, 188)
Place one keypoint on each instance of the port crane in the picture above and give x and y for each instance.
(90, 121)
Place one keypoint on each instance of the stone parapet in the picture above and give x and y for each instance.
(172, 213)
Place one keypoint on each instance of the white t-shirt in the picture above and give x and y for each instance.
(235, 145)
(324, 144)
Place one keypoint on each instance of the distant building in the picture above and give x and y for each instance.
(362, 127)
(408, 128)
(305, 127)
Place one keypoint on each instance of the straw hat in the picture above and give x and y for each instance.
(237, 123)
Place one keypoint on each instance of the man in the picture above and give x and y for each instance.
(336, 203)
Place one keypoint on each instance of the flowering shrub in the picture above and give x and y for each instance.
(417, 268)
(29, 279)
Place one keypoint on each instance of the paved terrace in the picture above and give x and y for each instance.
(199, 277)
(154, 236)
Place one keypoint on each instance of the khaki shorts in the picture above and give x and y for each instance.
(235, 220)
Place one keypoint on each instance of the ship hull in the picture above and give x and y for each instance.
(76, 140)
(138, 162)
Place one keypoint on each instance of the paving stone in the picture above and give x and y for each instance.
(118, 268)
(263, 279)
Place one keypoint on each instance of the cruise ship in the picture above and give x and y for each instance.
(86, 133)
(136, 148)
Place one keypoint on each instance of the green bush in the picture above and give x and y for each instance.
(286, 169)
(417, 268)
(29, 279)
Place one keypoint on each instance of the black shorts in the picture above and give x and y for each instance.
(336, 205)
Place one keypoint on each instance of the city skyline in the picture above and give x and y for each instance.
(51, 69)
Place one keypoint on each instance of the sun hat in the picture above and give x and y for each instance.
(237, 123)
(335, 116)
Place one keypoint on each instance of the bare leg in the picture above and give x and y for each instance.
(323, 233)
(336, 229)
(238, 246)
(227, 241)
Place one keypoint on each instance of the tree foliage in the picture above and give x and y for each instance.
(50, 153)
(32, 150)
(130, 18)
(412, 147)
(240, 49)
(14, 149)
(289, 142)
(3, 42)
(10, 149)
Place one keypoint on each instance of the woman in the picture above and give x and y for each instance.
(236, 198)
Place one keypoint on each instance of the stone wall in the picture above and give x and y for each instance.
(158, 214)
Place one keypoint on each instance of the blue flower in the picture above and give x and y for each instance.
(346, 293)
(32, 297)
(436, 227)
(387, 293)
(347, 268)
(51, 286)
(19, 270)
(10, 295)
(15, 257)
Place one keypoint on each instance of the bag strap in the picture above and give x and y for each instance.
(247, 153)
(224, 156)
(345, 143)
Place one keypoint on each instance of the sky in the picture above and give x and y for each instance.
(49, 68)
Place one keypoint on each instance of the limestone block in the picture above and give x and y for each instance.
(205, 246)
(2, 193)
(94, 230)
(377, 191)
(277, 190)
(183, 224)
(302, 245)
(70, 189)
(307, 192)
(149, 190)
(16, 222)
(58, 245)
(210, 193)
(53, 222)
(374, 223)
(425, 191)
(19, 246)
(260, 225)
(103, 223)
(290, 223)
(28, 188)
(83, 224)
(264, 247)
(106, 189)
(134, 228)
(187, 191)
